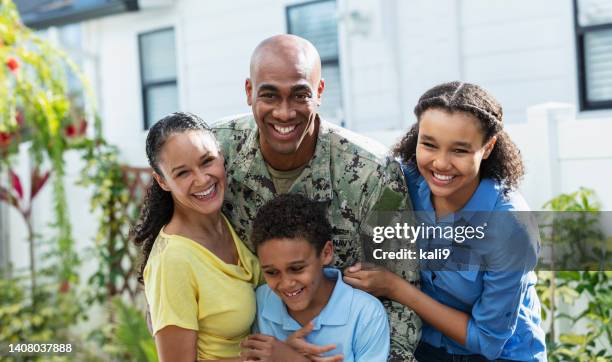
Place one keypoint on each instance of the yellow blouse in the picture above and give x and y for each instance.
(188, 286)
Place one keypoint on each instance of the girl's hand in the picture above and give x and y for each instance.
(371, 278)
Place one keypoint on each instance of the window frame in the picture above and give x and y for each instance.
(145, 86)
(327, 61)
(580, 33)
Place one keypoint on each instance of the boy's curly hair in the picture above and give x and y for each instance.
(291, 216)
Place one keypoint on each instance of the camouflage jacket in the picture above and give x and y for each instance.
(352, 175)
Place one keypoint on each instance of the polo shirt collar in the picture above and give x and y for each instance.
(335, 311)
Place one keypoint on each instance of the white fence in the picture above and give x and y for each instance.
(563, 153)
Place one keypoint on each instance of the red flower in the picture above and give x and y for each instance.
(13, 64)
(16, 183)
(71, 130)
(38, 181)
(5, 137)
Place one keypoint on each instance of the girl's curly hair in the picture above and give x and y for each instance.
(158, 204)
(504, 164)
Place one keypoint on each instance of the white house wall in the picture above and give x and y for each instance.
(522, 50)
(114, 41)
(391, 51)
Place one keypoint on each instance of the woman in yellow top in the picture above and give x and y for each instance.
(199, 277)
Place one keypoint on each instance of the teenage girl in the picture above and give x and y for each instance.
(460, 164)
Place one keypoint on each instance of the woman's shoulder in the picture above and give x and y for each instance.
(170, 248)
(168, 254)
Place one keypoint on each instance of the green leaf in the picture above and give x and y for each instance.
(573, 339)
(150, 352)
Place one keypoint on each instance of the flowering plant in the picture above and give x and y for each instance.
(37, 109)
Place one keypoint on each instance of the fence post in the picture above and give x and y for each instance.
(545, 173)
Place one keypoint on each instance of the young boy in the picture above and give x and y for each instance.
(292, 238)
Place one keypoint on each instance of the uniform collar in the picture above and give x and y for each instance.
(335, 311)
(315, 180)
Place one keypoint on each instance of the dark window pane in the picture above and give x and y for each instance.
(331, 105)
(594, 12)
(598, 65)
(317, 23)
(161, 100)
(158, 56)
(158, 73)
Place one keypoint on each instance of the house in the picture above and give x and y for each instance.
(150, 57)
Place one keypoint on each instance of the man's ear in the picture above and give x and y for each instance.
(161, 182)
(320, 89)
(489, 147)
(248, 87)
(327, 254)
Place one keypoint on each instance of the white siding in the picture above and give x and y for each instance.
(391, 51)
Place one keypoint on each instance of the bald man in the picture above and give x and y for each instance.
(284, 146)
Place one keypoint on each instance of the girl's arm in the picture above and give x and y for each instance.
(381, 282)
(449, 321)
(485, 331)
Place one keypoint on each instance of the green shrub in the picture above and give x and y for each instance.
(565, 288)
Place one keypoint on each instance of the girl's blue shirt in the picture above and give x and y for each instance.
(491, 279)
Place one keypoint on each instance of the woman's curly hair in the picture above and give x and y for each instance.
(291, 216)
(158, 204)
(504, 164)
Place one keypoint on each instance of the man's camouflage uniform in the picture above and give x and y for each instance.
(351, 174)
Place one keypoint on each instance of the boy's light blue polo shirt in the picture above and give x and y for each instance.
(353, 320)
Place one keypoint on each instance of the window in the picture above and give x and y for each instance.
(316, 21)
(158, 75)
(593, 19)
